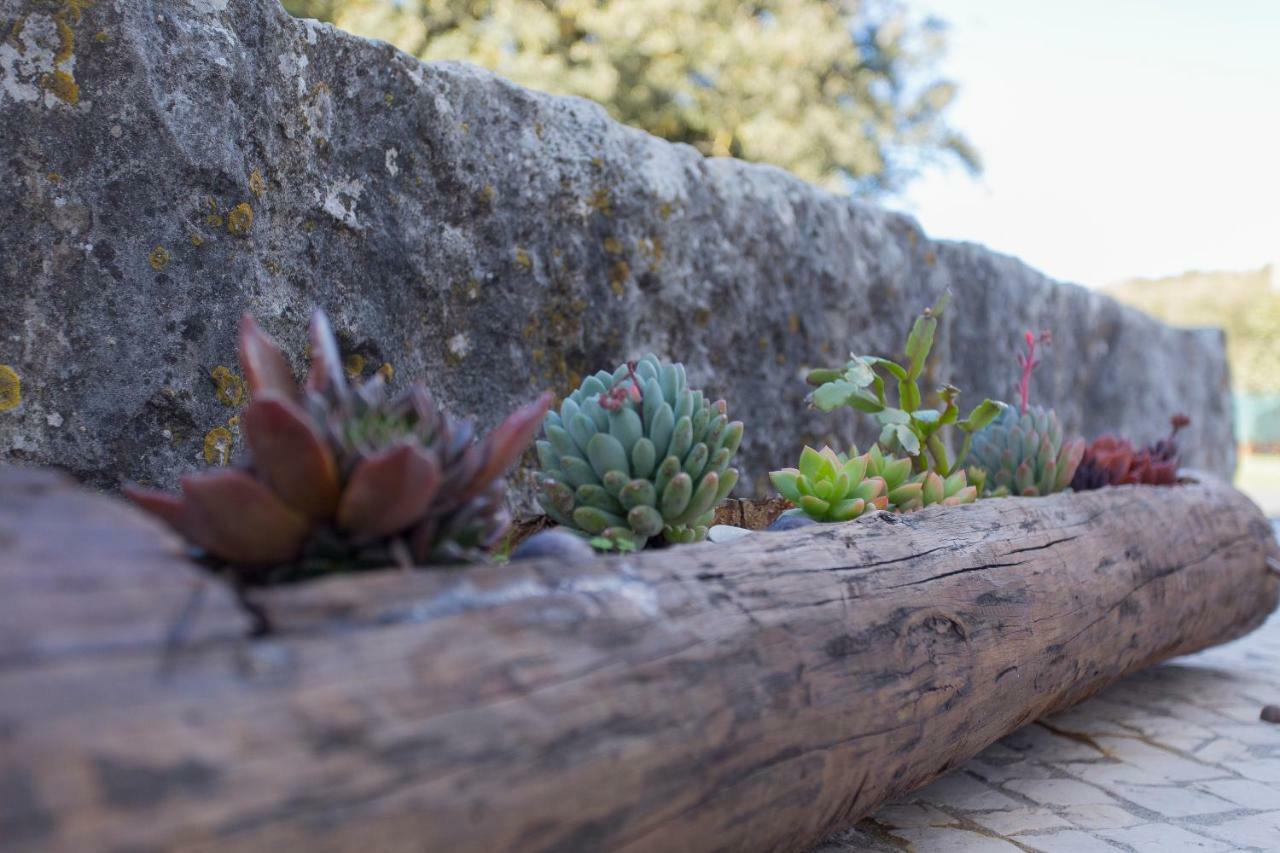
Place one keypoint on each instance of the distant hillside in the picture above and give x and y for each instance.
(1244, 303)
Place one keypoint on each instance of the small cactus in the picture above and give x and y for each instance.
(637, 453)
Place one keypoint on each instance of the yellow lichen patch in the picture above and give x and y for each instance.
(523, 260)
(257, 183)
(488, 194)
(601, 201)
(54, 177)
(388, 99)
(62, 85)
(793, 323)
(309, 226)
(197, 240)
(15, 35)
(618, 275)
(387, 372)
(213, 220)
(466, 127)
(217, 446)
(653, 249)
(354, 365)
(100, 36)
(159, 258)
(240, 219)
(666, 209)
(66, 37)
(233, 421)
(612, 246)
(228, 388)
(272, 266)
(10, 388)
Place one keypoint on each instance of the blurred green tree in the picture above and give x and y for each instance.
(843, 93)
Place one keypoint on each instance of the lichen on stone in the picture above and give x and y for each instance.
(257, 183)
(240, 219)
(354, 366)
(228, 387)
(618, 275)
(217, 446)
(159, 258)
(10, 388)
(601, 201)
(62, 85)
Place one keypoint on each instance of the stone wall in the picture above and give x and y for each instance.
(165, 166)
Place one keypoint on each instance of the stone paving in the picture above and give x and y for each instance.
(1171, 759)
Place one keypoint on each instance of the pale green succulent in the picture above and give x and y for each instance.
(832, 486)
(637, 453)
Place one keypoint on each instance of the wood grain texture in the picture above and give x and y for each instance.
(749, 696)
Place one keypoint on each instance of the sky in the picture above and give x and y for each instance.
(1120, 138)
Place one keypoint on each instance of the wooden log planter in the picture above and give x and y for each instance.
(755, 695)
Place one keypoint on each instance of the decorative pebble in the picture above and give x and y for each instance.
(790, 522)
(726, 533)
(566, 547)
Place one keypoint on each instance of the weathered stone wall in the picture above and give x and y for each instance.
(167, 165)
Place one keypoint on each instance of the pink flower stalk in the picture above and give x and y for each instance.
(1028, 363)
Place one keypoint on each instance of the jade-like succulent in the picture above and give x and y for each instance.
(1023, 452)
(636, 453)
(907, 427)
(832, 486)
(345, 477)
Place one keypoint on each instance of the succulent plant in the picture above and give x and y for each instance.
(635, 453)
(347, 475)
(908, 427)
(832, 486)
(1112, 461)
(1023, 452)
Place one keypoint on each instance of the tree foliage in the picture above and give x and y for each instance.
(843, 93)
(1245, 304)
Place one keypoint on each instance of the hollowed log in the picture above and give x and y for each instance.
(755, 695)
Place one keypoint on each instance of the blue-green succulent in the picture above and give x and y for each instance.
(636, 453)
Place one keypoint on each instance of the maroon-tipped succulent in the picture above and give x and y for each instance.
(335, 473)
(1113, 461)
